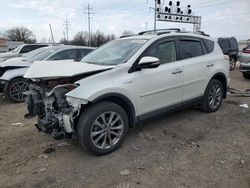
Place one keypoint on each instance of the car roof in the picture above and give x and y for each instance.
(148, 36)
(65, 47)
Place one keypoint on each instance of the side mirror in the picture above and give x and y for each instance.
(149, 62)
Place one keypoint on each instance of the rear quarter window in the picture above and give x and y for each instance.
(209, 45)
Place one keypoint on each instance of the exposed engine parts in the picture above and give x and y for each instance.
(52, 109)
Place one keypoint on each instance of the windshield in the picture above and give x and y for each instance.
(114, 52)
(17, 49)
(34, 52)
(41, 56)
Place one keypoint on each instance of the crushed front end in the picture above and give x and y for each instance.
(47, 101)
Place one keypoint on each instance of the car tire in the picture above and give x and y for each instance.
(102, 128)
(246, 75)
(14, 89)
(213, 96)
(232, 62)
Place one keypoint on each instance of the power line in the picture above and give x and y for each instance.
(67, 25)
(89, 12)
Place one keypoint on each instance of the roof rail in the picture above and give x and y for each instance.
(124, 36)
(161, 31)
(196, 32)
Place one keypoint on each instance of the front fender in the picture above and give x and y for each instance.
(14, 73)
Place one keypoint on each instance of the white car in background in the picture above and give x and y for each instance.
(22, 49)
(11, 71)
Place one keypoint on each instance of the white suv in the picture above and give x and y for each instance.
(125, 81)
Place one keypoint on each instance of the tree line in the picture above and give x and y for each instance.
(81, 38)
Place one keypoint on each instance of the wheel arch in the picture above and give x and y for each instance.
(223, 79)
(123, 101)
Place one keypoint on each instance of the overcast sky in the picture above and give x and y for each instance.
(219, 17)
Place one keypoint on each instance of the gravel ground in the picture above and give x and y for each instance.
(184, 149)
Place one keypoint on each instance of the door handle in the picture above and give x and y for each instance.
(177, 71)
(210, 65)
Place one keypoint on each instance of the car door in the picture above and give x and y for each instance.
(195, 66)
(159, 87)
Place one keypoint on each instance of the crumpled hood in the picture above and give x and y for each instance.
(15, 62)
(56, 69)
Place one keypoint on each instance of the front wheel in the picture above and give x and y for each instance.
(14, 89)
(213, 96)
(102, 128)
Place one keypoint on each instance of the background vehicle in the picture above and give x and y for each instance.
(12, 70)
(125, 81)
(24, 48)
(245, 62)
(230, 47)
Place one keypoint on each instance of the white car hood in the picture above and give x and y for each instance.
(56, 69)
(15, 62)
(8, 55)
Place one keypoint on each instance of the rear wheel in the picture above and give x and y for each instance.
(213, 96)
(246, 75)
(232, 63)
(102, 128)
(13, 90)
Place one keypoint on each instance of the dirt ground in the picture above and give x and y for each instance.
(186, 149)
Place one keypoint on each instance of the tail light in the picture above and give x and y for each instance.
(226, 57)
(247, 51)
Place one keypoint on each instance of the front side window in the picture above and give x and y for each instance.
(165, 52)
(65, 54)
(190, 48)
(115, 52)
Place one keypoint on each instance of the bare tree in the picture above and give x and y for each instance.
(97, 39)
(20, 34)
(80, 39)
(126, 32)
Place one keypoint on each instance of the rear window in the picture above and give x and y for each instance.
(234, 43)
(209, 45)
(191, 48)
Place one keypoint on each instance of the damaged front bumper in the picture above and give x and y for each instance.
(58, 122)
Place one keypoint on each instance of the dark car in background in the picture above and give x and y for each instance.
(230, 47)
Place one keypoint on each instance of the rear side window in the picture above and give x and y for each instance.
(209, 45)
(65, 54)
(29, 48)
(84, 52)
(190, 48)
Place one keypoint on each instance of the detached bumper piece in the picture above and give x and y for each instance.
(51, 126)
(48, 125)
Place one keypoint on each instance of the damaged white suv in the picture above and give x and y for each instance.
(125, 81)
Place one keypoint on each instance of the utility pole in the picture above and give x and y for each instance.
(146, 26)
(52, 36)
(89, 12)
(67, 28)
(155, 13)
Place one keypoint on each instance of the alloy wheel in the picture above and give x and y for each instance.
(107, 130)
(215, 96)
